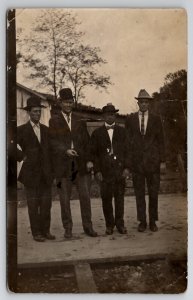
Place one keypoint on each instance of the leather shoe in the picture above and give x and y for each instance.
(153, 227)
(109, 230)
(68, 233)
(122, 230)
(91, 232)
(38, 238)
(49, 236)
(142, 226)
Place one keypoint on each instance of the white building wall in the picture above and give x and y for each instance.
(22, 115)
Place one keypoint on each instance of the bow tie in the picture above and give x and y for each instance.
(110, 127)
(143, 113)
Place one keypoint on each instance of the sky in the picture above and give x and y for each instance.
(141, 47)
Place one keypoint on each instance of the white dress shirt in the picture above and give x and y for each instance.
(110, 131)
(146, 114)
(36, 129)
(70, 119)
(69, 125)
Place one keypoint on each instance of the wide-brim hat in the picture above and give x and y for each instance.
(109, 108)
(143, 94)
(66, 94)
(33, 101)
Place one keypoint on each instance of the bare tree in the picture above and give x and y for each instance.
(81, 69)
(55, 55)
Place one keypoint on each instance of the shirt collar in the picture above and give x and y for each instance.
(65, 115)
(146, 113)
(107, 125)
(35, 124)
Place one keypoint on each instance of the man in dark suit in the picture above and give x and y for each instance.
(147, 156)
(36, 173)
(70, 155)
(109, 151)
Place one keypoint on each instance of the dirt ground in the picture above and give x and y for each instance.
(47, 280)
(159, 276)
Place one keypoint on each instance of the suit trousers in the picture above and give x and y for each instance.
(39, 203)
(109, 190)
(153, 184)
(82, 186)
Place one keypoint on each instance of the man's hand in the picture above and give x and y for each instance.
(126, 174)
(89, 166)
(99, 176)
(58, 182)
(163, 167)
(71, 153)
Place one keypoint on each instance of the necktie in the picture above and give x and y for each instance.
(142, 124)
(68, 118)
(110, 127)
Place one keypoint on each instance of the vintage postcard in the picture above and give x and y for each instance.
(97, 150)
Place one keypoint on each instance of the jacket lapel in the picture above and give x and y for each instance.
(136, 123)
(115, 137)
(106, 136)
(73, 122)
(149, 125)
(42, 134)
(62, 119)
(31, 134)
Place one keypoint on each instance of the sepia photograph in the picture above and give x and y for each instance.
(97, 150)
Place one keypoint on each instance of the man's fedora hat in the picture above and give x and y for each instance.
(143, 95)
(66, 94)
(109, 108)
(33, 101)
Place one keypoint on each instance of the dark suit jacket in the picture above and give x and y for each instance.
(100, 144)
(37, 165)
(61, 138)
(146, 153)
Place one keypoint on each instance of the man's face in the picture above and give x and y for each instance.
(35, 114)
(109, 117)
(143, 104)
(67, 106)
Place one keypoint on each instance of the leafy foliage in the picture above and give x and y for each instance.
(175, 87)
(171, 103)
